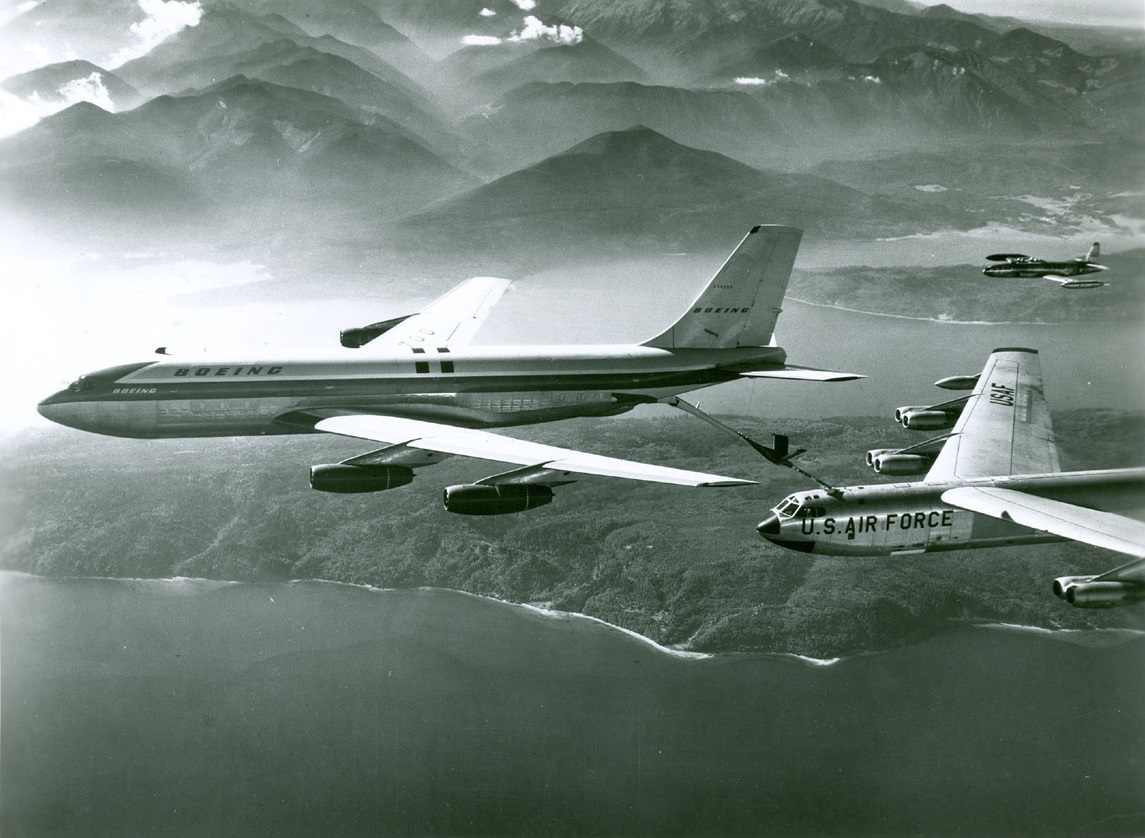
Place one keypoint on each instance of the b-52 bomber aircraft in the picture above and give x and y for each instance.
(993, 480)
(1018, 265)
(416, 385)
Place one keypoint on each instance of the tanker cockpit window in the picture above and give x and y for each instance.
(81, 384)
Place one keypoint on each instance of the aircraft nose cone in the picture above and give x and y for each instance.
(769, 526)
(60, 409)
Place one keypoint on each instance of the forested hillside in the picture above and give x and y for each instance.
(683, 566)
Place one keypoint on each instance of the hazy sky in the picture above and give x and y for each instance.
(1096, 12)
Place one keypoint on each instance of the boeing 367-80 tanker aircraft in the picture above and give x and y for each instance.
(416, 385)
(993, 480)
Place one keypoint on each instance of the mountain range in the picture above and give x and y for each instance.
(375, 118)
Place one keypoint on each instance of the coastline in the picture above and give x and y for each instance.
(191, 586)
(927, 319)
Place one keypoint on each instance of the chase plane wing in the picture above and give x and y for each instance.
(415, 441)
(1005, 426)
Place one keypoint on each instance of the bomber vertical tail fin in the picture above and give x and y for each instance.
(1093, 253)
(740, 304)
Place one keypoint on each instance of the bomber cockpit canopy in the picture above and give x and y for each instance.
(788, 507)
(799, 505)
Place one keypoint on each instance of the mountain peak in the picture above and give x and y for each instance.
(628, 139)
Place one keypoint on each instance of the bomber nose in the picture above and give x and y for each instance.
(769, 526)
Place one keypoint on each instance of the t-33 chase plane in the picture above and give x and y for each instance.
(993, 480)
(1011, 265)
(417, 386)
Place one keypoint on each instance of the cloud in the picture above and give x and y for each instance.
(532, 29)
(11, 12)
(480, 40)
(487, 13)
(19, 54)
(90, 89)
(17, 114)
(164, 19)
(525, 5)
(535, 30)
(762, 82)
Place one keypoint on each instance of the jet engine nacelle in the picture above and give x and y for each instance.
(875, 453)
(902, 463)
(1100, 594)
(348, 479)
(474, 499)
(358, 337)
(915, 419)
(1084, 592)
(1064, 583)
(900, 412)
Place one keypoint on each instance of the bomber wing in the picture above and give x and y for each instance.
(1005, 426)
(414, 442)
(449, 321)
(1077, 523)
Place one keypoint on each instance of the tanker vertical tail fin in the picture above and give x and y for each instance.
(741, 303)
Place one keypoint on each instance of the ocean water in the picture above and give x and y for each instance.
(197, 708)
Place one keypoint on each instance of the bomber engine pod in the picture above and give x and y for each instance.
(875, 453)
(348, 479)
(1064, 583)
(472, 499)
(902, 463)
(1086, 592)
(925, 420)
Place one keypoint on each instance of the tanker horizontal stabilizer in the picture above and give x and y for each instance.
(801, 374)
